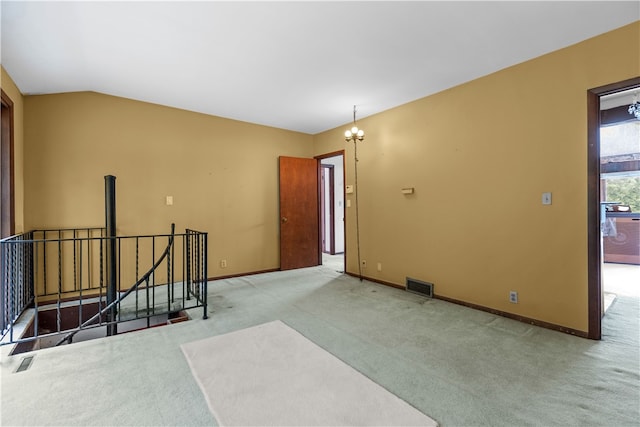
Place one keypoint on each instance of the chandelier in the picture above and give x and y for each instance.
(354, 134)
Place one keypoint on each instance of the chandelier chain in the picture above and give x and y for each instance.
(355, 147)
(355, 135)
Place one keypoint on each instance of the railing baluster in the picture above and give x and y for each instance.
(3, 288)
(168, 280)
(199, 266)
(58, 307)
(148, 317)
(205, 278)
(146, 287)
(30, 267)
(22, 263)
(137, 274)
(10, 294)
(172, 270)
(187, 262)
(153, 283)
(15, 267)
(184, 266)
(100, 297)
(35, 297)
(75, 282)
(118, 289)
(6, 297)
(80, 279)
(89, 269)
(44, 262)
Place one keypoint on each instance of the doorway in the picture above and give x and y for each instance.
(312, 209)
(620, 196)
(332, 210)
(597, 210)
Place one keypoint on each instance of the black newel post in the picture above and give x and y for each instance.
(110, 265)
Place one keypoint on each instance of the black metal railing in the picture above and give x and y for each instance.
(16, 274)
(64, 261)
(61, 277)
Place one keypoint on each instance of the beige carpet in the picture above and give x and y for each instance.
(271, 375)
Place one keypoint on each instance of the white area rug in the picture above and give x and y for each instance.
(271, 375)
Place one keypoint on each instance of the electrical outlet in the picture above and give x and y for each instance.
(223, 263)
(513, 297)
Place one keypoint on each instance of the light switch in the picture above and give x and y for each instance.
(348, 203)
(169, 200)
(546, 198)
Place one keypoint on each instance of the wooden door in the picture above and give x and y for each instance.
(299, 222)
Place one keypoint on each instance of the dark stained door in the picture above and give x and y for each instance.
(299, 222)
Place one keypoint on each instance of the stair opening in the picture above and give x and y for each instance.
(70, 319)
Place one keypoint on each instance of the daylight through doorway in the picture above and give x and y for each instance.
(332, 206)
(594, 207)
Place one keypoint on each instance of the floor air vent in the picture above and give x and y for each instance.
(420, 287)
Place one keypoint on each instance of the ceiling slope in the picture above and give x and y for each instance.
(292, 65)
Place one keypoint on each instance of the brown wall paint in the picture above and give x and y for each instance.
(480, 155)
(10, 88)
(222, 174)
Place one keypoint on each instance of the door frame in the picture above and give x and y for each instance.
(329, 169)
(344, 197)
(594, 242)
(7, 210)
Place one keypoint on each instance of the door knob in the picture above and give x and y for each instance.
(284, 219)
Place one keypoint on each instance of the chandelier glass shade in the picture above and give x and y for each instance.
(354, 134)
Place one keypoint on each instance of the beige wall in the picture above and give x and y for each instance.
(480, 155)
(222, 174)
(9, 87)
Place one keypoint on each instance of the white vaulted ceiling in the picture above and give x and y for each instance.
(293, 65)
